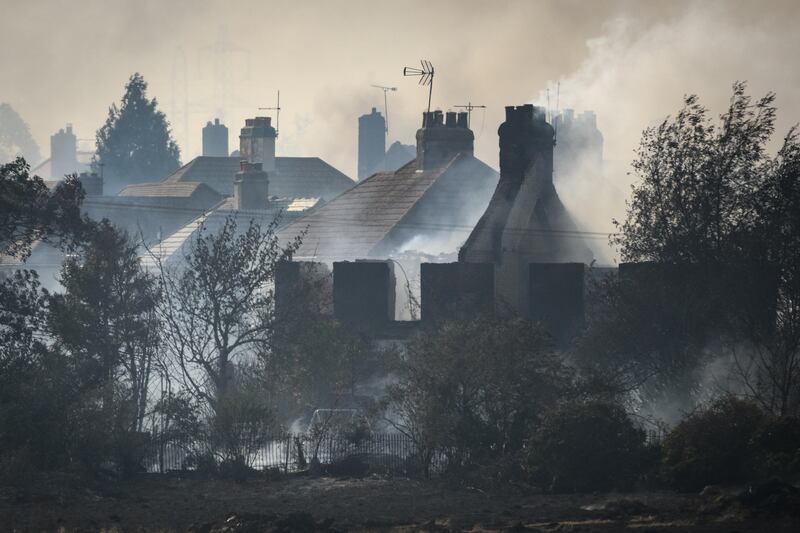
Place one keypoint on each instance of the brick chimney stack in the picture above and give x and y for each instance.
(442, 137)
(257, 142)
(251, 187)
(526, 137)
(215, 139)
(63, 153)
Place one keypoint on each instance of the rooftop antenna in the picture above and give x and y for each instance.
(385, 103)
(555, 124)
(469, 107)
(425, 76)
(549, 109)
(277, 108)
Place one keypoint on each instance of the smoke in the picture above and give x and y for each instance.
(637, 71)
(630, 61)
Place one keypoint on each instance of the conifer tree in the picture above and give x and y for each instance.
(135, 144)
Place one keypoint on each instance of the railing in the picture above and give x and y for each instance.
(389, 453)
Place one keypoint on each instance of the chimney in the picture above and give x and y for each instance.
(371, 143)
(250, 187)
(441, 138)
(525, 137)
(257, 142)
(215, 139)
(63, 153)
(92, 183)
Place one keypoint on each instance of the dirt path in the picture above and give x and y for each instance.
(175, 503)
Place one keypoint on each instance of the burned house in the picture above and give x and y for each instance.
(430, 204)
(525, 222)
(518, 248)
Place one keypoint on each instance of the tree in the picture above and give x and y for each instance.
(106, 320)
(313, 361)
(769, 366)
(693, 202)
(218, 304)
(29, 211)
(475, 390)
(712, 195)
(15, 137)
(135, 145)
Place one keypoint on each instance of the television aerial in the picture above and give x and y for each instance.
(385, 103)
(425, 75)
(469, 107)
(277, 110)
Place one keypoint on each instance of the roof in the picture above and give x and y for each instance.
(182, 189)
(379, 214)
(176, 245)
(294, 177)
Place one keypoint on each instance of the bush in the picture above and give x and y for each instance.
(714, 445)
(586, 447)
(777, 443)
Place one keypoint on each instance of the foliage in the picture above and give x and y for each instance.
(646, 338)
(241, 421)
(475, 390)
(315, 362)
(586, 447)
(106, 320)
(697, 180)
(777, 445)
(711, 195)
(713, 445)
(218, 306)
(769, 368)
(135, 145)
(15, 137)
(29, 211)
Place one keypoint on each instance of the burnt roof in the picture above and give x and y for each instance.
(380, 212)
(294, 177)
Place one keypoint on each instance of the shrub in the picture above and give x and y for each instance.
(586, 447)
(714, 445)
(777, 444)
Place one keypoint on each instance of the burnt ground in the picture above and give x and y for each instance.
(295, 504)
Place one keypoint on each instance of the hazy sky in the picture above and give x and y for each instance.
(630, 61)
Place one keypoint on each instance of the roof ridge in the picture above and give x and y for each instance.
(438, 172)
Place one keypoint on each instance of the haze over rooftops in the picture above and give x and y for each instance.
(294, 177)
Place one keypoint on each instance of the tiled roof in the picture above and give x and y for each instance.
(294, 177)
(181, 189)
(176, 245)
(388, 207)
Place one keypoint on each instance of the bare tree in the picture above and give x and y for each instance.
(218, 303)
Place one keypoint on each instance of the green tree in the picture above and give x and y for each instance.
(29, 211)
(135, 145)
(106, 320)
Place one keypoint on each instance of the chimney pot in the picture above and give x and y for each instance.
(450, 119)
(462, 120)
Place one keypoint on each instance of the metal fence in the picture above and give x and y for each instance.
(381, 452)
